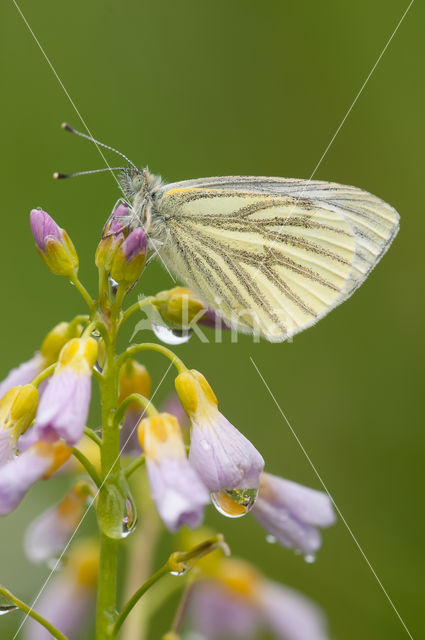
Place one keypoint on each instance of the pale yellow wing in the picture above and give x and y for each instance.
(267, 263)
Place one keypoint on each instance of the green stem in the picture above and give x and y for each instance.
(135, 307)
(139, 593)
(83, 291)
(82, 459)
(91, 434)
(131, 468)
(110, 470)
(33, 614)
(135, 397)
(152, 346)
(44, 374)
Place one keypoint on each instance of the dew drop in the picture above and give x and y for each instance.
(310, 558)
(113, 286)
(171, 336)
(234, 503)
(97, 367)
(129, 520)
(6, 605)
(271, 539)
(96, 334)
(181, 571)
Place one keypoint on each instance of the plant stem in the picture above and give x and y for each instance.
(138, 462)
(135, 397)
(44, 374)
(110, 465)
(138, 594)
(33, 614)
(135, 307)
(152, 346)
(83, 291)
(85, 462)
(92, 435)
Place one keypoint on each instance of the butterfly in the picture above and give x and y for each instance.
(271, 256)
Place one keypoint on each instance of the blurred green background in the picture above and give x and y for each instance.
(215, 88)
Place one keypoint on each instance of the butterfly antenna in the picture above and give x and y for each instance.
(61, 176)
(67, 127)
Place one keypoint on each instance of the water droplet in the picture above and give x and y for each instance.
(310, 558)
(181, 571)
(96, 334)
(97, 367)
(271, 539)
(234, 503)
(6, 605)
(113, 286)
(171, 336)
(129, 520)
(116, 511)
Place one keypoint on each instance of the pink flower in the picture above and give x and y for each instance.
(65, 403)
(23, 374)
(239, 602)
(291, 512)
(41, 460)
(176, 489)
(222, 456)
(53, 244)
(17, 411)
(47, 535)
(69, 598)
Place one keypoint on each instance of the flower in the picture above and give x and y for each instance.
(134, 378)
(47, 535)
(180, 306)
(176, 489)
(53, 244)
(17, 410)
(65, 403)
(222, 456)
(291, 512)
(48, 354)
(130, 258)
(112, 237)
(40, 460)
(23, 374)
(239, 601)
(69, 598)
(289, 614)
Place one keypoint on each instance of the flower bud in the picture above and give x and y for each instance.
(56, 339)
(130, 258)
(17, 410)
(134, 378)
(182, 307)
(53, 244)
(112, 237)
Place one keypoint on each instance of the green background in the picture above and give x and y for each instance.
(216, 88)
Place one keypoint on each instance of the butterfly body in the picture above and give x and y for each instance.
(270, 255)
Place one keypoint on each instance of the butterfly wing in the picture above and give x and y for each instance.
(272, 255)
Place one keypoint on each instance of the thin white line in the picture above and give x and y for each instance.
(86, 511)
(341, 124)
(361, 89)
(65, 90)
(337, 509)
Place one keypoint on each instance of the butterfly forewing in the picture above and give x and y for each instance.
(267, 263)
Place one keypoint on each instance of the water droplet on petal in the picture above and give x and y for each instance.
(6, 605)
(171, 336)
(310, 558)
(234, 503)
(271, 539)
(129, 520)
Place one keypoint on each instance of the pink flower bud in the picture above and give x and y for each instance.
(53, 244)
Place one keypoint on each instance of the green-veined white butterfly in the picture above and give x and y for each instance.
(270, 255)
